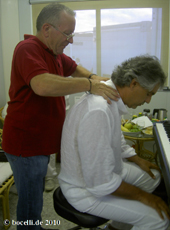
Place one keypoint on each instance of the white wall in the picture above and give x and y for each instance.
(2, 84)
(15, 20)
(25, 18)
(10, 36)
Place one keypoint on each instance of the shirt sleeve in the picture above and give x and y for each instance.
(127, 151)
(69, 66)
(29, 61)
(96, 154)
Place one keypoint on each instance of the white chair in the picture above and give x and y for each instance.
(6, 181)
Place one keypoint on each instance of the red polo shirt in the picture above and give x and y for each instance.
(33, 124)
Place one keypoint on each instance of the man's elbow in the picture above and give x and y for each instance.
(37, 87)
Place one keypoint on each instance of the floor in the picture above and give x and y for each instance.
(48, 213)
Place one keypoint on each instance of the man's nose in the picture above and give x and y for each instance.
(70, 40)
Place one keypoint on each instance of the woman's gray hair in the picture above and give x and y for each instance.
(145, 69)
(51, 14)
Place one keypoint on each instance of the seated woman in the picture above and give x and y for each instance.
(100, 173)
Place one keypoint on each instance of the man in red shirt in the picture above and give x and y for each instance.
(36, 110)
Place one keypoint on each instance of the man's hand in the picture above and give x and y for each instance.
(103, 90)
(97, 88)
(98, 78)
(144, 165)
(155, 202)
(131, 192)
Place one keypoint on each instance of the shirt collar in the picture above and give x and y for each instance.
(28, 36)
(122, 107)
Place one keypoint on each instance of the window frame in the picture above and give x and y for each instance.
(110, 4)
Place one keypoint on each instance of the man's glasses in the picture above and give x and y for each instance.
(67, 36)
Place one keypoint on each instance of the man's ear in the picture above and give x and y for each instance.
(45, 29)
(133, 83)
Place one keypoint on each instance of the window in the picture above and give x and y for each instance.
(83, 49)
(108, 32)
(127, 33)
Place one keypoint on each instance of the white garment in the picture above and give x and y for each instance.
(93, 152)
(51, 170)
(4, 111)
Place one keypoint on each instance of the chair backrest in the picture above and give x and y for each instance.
(65, 210)
(6, 172)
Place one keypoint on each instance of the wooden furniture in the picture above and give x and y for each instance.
(140, 149)
(6, 181)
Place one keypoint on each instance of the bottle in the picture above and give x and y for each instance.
(146, 112)
(150, 116)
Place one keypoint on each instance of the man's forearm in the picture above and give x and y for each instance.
(50, 85)
(136, 159)
(128, 191)
(81, 72)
